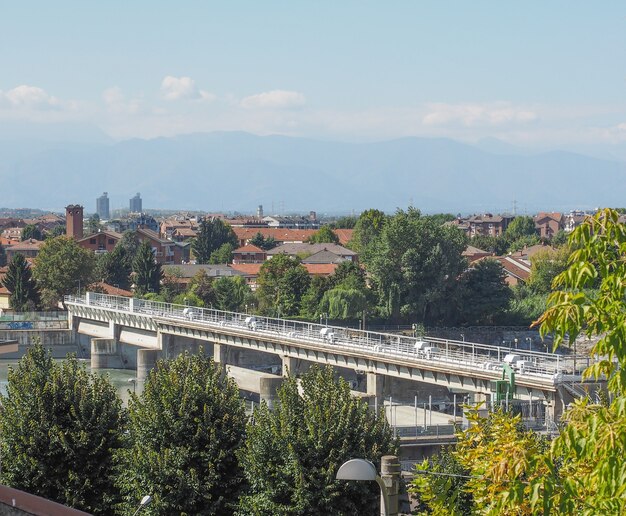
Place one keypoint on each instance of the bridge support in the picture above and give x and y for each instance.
(268, 388)
(104, 354)
(220, 353)
(146, 360)
(390, 470)
(290, 366)
(375, 384)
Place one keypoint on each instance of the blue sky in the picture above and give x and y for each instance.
(531, 73)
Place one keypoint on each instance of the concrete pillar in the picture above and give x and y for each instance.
(220, 353)
(146, 360)
(268, 390)
(390, 470)
(290, 366)
(103, 353)
(375, 384)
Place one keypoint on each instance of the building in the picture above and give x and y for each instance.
(100, 243)
(332, 252)
(549, 224)
(249, 254)
(135, 204)
(102, 206)
(74, 221)
(488, 224)
(165, 252)
(28, 248)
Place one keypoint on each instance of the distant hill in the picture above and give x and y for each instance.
(238, 171)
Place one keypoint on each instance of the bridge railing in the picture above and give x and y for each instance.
(460, 355)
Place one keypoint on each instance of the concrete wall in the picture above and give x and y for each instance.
(61, 342)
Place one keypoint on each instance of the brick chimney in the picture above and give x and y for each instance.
(74, 221)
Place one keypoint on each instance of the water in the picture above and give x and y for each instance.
(120, 378)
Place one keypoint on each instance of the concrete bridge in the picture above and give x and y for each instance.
(164, 330)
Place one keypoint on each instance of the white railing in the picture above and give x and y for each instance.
(456, 355)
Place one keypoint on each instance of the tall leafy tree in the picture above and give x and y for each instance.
(185, 430)
(292, 453)
(3, 256)
(366, 230)
(223, 255)
(31, 231)
(59, 429)
(324, 235)
(20, 283)
(212, 234)
(485, 294)
(93, 224)
(545, 266)
(263, 243)
(519, 227)
(130, 243)
(147, 271)
(115, 268)
(281, 284)
(232, 294)
(61, 267)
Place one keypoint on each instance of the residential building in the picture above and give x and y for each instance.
(135, 204)
(249, 254)
(517, 269)
(303, 250)
(294, 222)
(488, 224)
(183, 274)
(28, 248)
(473, 253)
(102, 242)
(102, 206)
(250, 271)
(166, 252)
(574, 219)
(549, 224)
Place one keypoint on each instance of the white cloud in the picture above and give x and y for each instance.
(477, 114)
(275, 99)
(29, 97)
(177, 88)
(117, 102)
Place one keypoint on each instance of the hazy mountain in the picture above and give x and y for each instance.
(238, 171)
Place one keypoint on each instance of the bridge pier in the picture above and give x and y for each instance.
(146, 360)
(104, 354)
(220, 353)
(290, 366)
(375, 386)
(268, 388)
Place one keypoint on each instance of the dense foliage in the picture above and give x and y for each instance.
(24, 294)
(292, 454)
(212, 234)
(59, 429)
(147, 271)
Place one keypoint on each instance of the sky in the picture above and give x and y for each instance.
(531, 73)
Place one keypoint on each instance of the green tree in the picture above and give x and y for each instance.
(185, 431)
(3, 256)
(147, 271)
(19, 282)
(212, 234)
(415, 264)
(61, 267)
(232, 293)
(31, 231)
(497, 245)
(559, 239)
(366, 230)
(292, 453)
(485, 293)
(93, 224)
(520, 227)
(202, 287)
(545, 266)
(58, 230)
(263, 243)
(59, 429)
(130, 243)
(223, 255)
(310, 302)
(346, 222)
(281, 284)
(324, 235)
(115, 268)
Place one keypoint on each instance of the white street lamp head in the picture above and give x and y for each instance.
(357, 469)
(145, 500)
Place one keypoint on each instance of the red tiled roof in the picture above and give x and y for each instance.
(279, 234)
(113, 291)
(249, 269)
(320, 269)
(345, 235)
(249, 248)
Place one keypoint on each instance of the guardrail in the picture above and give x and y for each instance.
(458, 355)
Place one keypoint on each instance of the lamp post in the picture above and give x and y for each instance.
(361, 469)
(134, 382)
(145, 501)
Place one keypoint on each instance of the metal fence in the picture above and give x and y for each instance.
(453, 354)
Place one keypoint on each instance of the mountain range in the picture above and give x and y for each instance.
(236, 171)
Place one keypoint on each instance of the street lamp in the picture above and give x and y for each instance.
(134, 382)
(145, 501)
(361, 469)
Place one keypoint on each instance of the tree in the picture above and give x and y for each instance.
(520, 227)
(212, 234)
(346, 222)
(223, 255)
(59, 429)
(485, 294)
(347, 295)
(366, 230)
(148, 273)
(324, 235)
(58, 230)
(130, 243)
(3, 256)
(497, 245)
(263, 243)
(31, 231)
(19, 282)
(115, 268)
(232, 293)
(415, 264)
(93, 224)
(61, 267)
(202, 286)
(185, 430)
(292, 454)
(281, 284)
(545, 266)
